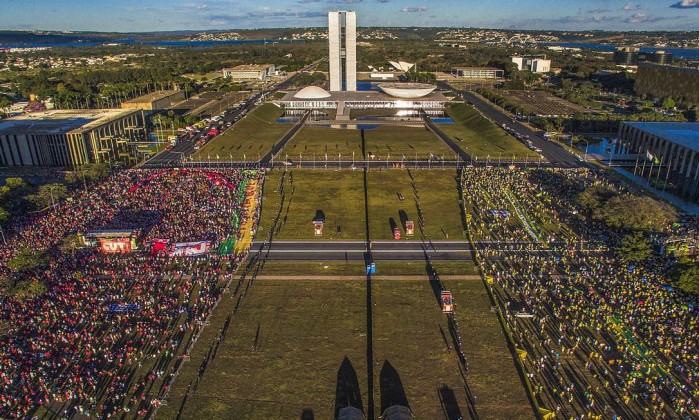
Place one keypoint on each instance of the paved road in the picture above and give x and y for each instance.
(551, 151)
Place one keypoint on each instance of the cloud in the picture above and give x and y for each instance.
(383, 1)
(630, 7)
(413, 9)
(597, 11)
(686, 4)
(641, 17)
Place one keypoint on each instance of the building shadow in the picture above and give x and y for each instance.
(391, 388)
(392, 224)
(448, 400)
(347, 393)
(403, 218)
(307, 414)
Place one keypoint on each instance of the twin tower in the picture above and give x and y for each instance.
(342, 40)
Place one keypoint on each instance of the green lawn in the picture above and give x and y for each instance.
(438, 199)
(338, 194)
(287, 341)
(319, 142)
(356, 268)
(396, 142)
(249, 138)
(281, 355)
(481, 137)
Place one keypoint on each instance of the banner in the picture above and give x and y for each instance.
(160, 244)
(123, 307)
(115, 246)
(190, 249)
(499, 213)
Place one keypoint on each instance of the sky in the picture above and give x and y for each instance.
(170, 15)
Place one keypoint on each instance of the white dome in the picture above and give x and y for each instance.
(312, 92)
(407, 90)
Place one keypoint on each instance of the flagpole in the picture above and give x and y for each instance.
(660, 167)
(650, 173)
(643, 171)
(667, 174)
(635, 167)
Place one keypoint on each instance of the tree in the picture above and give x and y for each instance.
(634, 247)
(70, 243)
(4, 216)
(48, 194)
(594, 197)
(631, 212)
(689, 278)
(26, 260)
(668, 103)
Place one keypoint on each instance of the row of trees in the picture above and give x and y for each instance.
(636, 219)
(17, 197)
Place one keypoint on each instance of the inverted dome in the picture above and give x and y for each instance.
(312, 92)
(407, 90)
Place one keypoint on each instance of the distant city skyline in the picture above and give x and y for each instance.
(171, 15)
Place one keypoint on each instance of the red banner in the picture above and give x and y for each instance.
(190, 249)
(115, 246)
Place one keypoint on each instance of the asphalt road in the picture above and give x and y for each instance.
(551, 151)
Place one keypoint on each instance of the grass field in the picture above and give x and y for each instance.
(481, 137)
(396, 142)
(249, 138)
(438, 199)
(356, 268)
(282, 353)
(319, 142)
(289, 343)
(412, 335)
(338, 194)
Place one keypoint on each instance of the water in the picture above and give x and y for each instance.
(442, 120)
(288, 120)
(129, 41)
(364, 86)
(691, 53)
(602, 148)
(350, 126)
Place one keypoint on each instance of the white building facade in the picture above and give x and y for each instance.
(342, 43)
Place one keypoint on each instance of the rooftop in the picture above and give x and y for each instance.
(249, 67)
(150, 97)
(476, 68)
(682, 133)
(60, 121)
(365, 96)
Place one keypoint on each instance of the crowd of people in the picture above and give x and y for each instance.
(109, 331)
(603, 338)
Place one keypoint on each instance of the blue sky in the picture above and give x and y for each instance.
(158, 15)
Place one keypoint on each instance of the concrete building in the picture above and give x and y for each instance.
(659, 57)
(342, 44)
(249, 72)
(626, 56)
(667, 81)
(534, 63)
(404, 98)
(478, 72)
(71, 138)
(155, 101)
(675, 145)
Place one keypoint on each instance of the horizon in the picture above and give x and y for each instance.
(130, 16)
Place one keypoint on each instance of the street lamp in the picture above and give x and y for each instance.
(587, 144)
